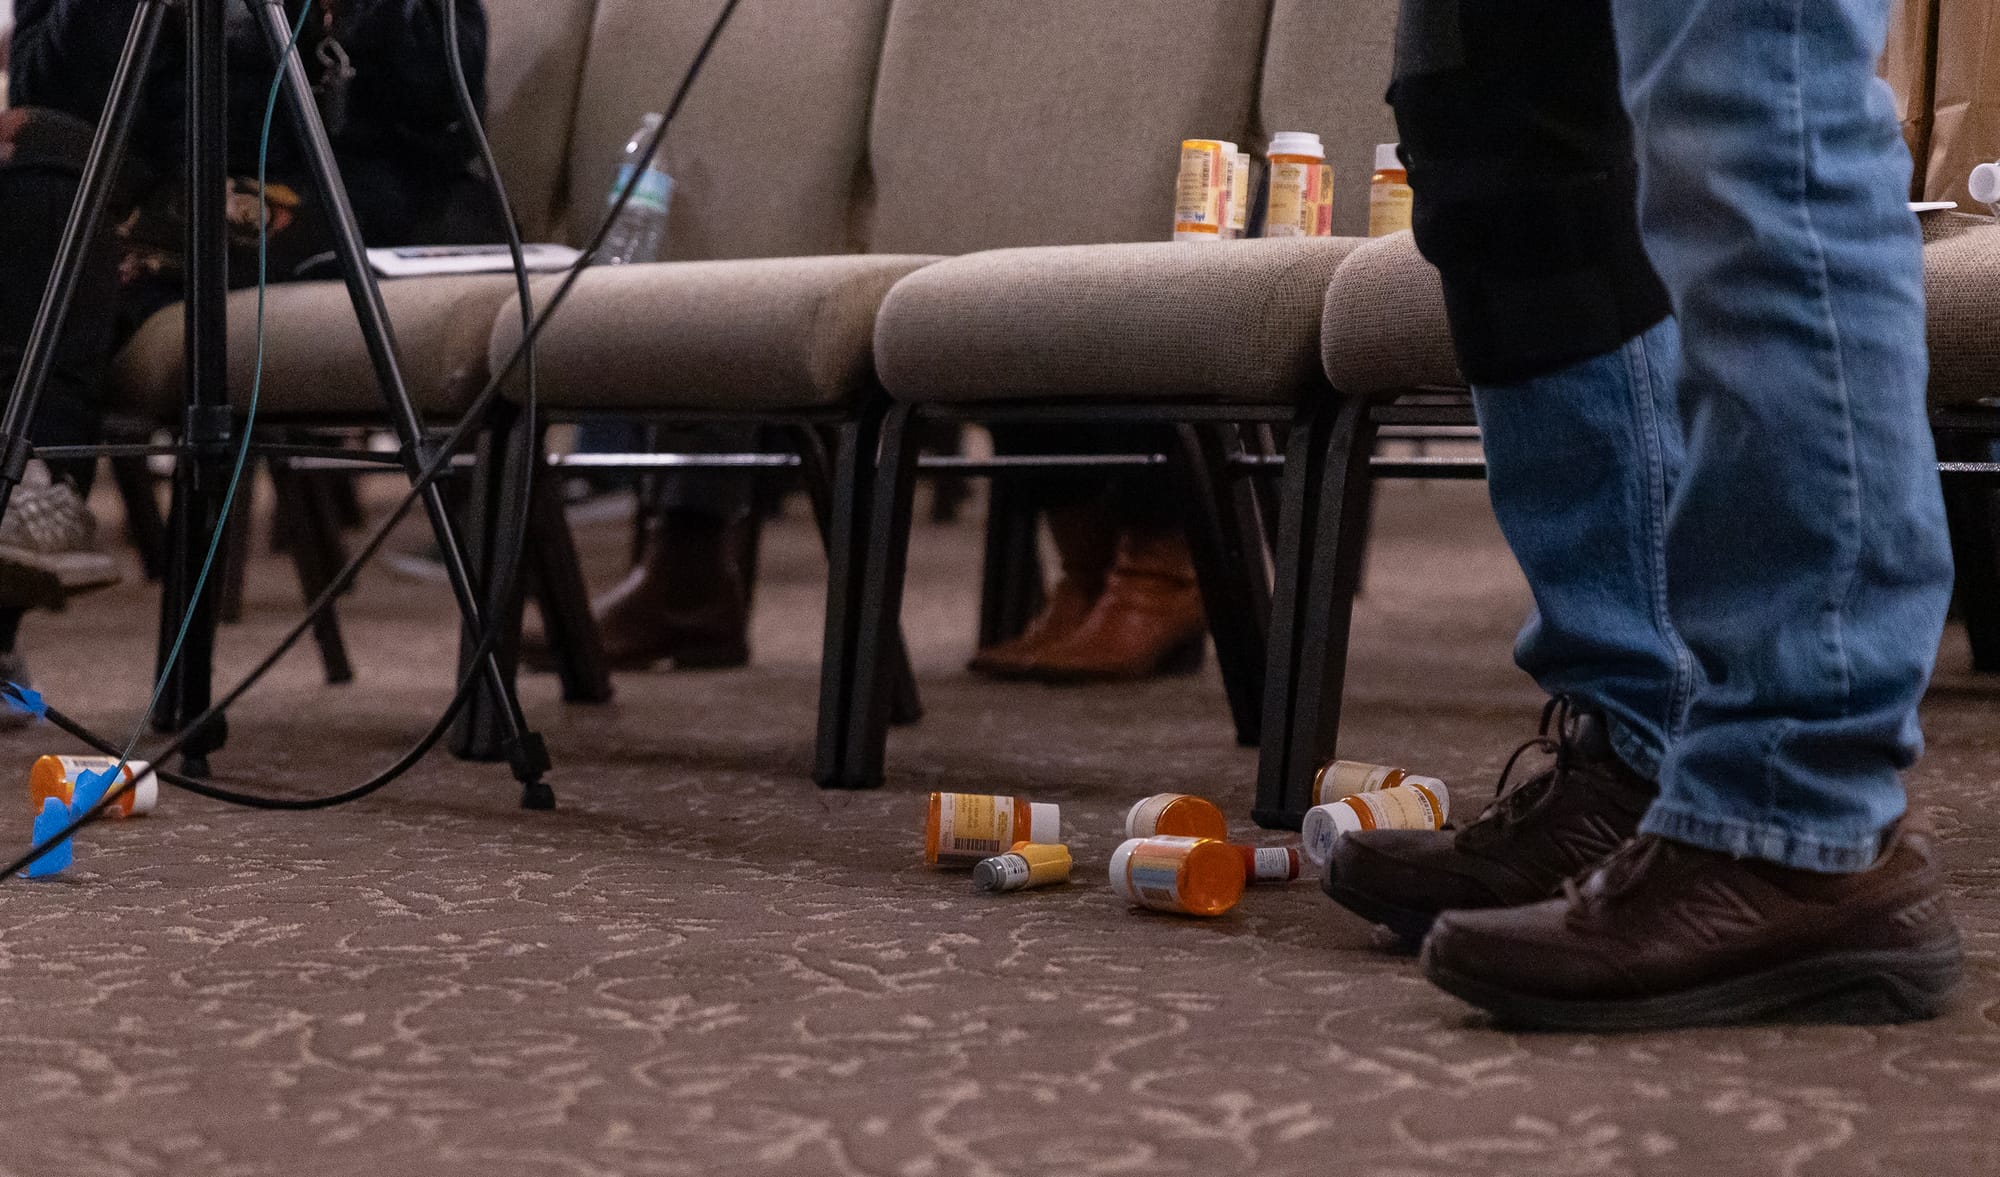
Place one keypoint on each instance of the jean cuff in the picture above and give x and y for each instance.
(1638, 755)
(1763, 840)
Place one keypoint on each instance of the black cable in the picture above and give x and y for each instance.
(533, 326)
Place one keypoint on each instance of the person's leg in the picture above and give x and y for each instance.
(1521, 158)
(1807, 562)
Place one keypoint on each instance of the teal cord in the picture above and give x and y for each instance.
(256, 391)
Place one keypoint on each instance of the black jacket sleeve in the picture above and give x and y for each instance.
(65, 53)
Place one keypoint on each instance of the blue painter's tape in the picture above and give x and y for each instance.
(27, 699)
(48, 823)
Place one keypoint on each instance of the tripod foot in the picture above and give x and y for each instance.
(530, 757)
(538, 795)
(195, 764)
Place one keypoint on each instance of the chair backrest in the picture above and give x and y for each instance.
(1326, 67)
(1049, 122)
(534, 63)
(766, 151)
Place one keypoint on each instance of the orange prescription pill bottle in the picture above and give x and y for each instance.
(1301, 187)
(1176, 813)
(1345, 778)
(1408, 806)
(965, 827)
(1202, 194)
(1270, 864)
(1189, 876)
(1026, 865)
(56, 776)
(1389, 194)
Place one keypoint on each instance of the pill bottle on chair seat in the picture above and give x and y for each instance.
(1300, 202)
(1389, 193)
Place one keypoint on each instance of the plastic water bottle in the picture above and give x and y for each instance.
(640, 232)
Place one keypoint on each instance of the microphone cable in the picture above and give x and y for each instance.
(533, 327)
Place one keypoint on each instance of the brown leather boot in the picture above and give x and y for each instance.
(687, 600)
(1547, 828)
(1148, 621)
(1086, 538)
(1664, 935)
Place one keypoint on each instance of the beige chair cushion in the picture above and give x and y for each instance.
(1234, 321)
(766, 152)
(1962, 286)
(1385, 325)
(1050, 122)
(534, 56)
(1326, 68)
(765, 334)
(315, 363)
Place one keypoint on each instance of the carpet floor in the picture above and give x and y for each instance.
(701, 964)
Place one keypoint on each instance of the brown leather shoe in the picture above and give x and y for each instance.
(1664, 934)
(1547, 828)
(1086, 538)
(1148, 621)
(687, 600)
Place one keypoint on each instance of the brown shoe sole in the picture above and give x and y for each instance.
(1848, 988)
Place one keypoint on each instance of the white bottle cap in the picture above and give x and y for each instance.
(1323, 825)
(1044, 823)
(1121, 860)
(1297, 143)
(1386, 159)
(146, 793)
(1438, 790)
(1132, 817)
(1986, 183)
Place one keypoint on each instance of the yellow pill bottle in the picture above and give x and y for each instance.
(1179, 814)
(1389, 194)
(1203, 193)
(57, 776)
(963, 828)
(1187, 876)
(1026, 865)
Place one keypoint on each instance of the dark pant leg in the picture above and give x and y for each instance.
(1136, 498)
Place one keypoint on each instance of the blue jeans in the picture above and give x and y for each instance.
(1733, 525)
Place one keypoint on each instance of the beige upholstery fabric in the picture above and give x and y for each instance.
(1385, 328)
(780, 333)
(1232, 321)
(1050, 122)
(315, 364)
(766, 152)
(1326, 68)
(1962, 285)
(534, 60)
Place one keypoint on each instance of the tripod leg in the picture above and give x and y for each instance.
(100, 174)
(525, 749)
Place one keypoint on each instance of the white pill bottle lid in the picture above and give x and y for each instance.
(1386, 159)
(1121, 861)
(1044, 823)
(145, 793)
(1297, 143)
(1986, 183)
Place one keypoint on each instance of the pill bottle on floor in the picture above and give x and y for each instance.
(1202, 196)
(1345, 778)
(963, 828)
(1408, 806)
(1026, 865)
(1301, 186)
(1389, 194)
(1176, 813)
(1187, 876)
(1269, 864)
(56, 776)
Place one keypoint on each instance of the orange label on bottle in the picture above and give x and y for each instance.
(1201, 196)
(1389, 208)
(974, 826)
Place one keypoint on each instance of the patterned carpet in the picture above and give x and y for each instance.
(702, 965)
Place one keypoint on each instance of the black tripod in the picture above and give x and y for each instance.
(202, 466)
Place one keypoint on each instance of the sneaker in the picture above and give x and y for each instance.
(1538, 832)
(1664, 935)
(14, 669)
(46, 544)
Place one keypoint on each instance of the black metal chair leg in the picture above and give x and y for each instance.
(881, 601)
(555, 572)
(145, 529)
(1325, 613)
(292, 514)
(1969, 511)
(1298, 505)
(1226, 541)
(1011, 581)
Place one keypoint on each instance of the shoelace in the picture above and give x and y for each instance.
(1515, 799)
(1613, 877)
